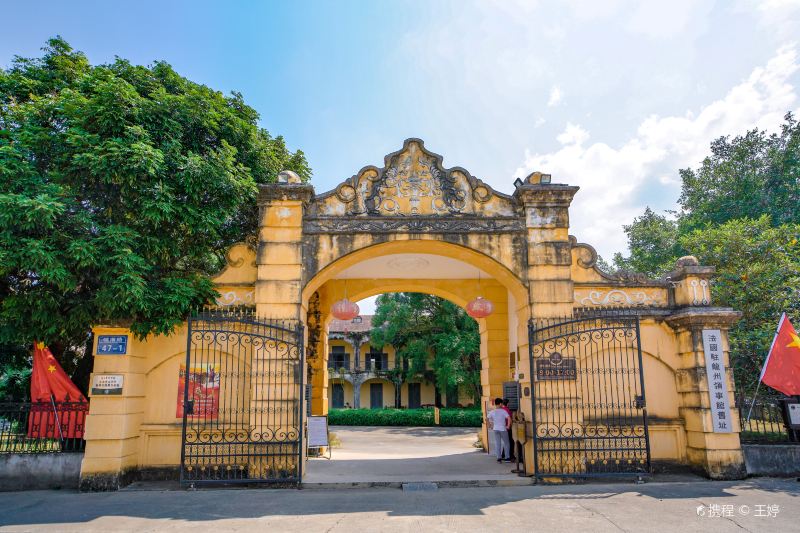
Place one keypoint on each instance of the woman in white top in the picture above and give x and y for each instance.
(500, 423)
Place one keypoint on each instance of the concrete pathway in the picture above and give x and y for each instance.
(393, 455)
(680, 507)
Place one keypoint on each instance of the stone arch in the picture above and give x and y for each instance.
(475, 257)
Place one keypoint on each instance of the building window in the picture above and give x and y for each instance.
(377, 360)
(338, 358)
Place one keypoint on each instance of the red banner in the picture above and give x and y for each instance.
(203, 391)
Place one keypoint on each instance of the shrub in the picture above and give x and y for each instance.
(404, 417)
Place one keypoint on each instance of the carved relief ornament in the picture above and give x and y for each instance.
(413, 182)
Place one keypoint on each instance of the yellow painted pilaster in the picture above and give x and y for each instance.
(112, 426)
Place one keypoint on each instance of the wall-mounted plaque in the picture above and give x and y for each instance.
(717, 385)
(107, 385)
(112, 344)
(556, 367)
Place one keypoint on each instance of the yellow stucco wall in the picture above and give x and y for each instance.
(534, 270)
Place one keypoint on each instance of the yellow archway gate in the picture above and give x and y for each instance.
(456, 237)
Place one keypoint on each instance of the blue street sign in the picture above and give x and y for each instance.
(112, 344)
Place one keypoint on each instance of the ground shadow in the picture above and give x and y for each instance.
(39, 507)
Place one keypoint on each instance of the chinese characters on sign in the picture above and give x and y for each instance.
(556, 367)
(107, 384)
(717, 385)
(203, 396)
(112, 344)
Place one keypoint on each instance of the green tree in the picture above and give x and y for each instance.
(745, 177)
(653, 241)
(739, 213)
(758, 273)
(122, 187)
(426, 330)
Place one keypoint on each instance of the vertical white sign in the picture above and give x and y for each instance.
(717, 385)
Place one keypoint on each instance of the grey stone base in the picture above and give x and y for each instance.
(28, 471)
(115, 481)
(772, 459)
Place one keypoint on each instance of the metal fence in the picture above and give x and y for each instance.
(42, 427)
(767, 423)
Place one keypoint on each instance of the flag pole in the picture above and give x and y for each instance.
(752, 403)
(58, 422)
(764, 369)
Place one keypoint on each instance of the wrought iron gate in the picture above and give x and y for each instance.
(589, 413)
(243, 394)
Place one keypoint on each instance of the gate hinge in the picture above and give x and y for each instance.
(639, 402)
(189, 407)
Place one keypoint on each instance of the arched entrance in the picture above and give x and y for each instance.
(413, 211)
(443, 269)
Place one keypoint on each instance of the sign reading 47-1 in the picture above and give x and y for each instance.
(112, 344)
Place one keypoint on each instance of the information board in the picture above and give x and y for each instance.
(556, 367)
(717, 385)
(107, 384)
(318, 431)
(511, 393)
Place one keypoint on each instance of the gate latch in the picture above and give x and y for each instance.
(189, 406)
(639, 402)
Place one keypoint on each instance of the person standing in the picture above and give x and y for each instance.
(500, 423)
(510, 436)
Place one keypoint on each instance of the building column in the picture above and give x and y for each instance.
(278, 297)
(550, 285)
(711, 419)
(115, 413)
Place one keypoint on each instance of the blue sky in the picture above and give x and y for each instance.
(613, 96)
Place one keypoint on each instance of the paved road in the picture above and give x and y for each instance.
(595, 508)
(397, 454)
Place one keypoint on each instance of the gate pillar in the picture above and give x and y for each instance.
(549, 274)
(112, 426)
(278, 288)
(280, 247)
(718, 454)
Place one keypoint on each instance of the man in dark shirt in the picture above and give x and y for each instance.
(510, 436)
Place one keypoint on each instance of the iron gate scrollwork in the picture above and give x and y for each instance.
(243, 398)
(589, 412)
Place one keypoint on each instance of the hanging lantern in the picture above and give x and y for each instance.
(344, 309)
(480, 307)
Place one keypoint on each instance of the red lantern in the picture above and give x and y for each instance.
(480, 307)
(344, 309)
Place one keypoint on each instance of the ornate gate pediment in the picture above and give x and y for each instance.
(412, 183)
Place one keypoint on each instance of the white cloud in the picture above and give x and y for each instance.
(539, 122)
(555, 96)
(780, 17)
(610, 177)
(659, 20)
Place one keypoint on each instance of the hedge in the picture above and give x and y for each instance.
(404, 417)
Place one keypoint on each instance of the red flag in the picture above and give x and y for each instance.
(50, 386)
(782, 368)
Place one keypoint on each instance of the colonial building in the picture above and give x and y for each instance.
(616, 373)
(361, 376)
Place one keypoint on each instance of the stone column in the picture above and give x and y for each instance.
(549, 250)
(278, 296)
(550, 284)
(718, 455)
(280, 247)
(112, 426)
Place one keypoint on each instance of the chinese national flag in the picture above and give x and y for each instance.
(782, 368)
(50, 385)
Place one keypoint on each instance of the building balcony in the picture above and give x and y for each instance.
(337, 368)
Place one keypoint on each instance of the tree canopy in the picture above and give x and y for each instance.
(739, 212)
(123, 185)
(430, 333)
